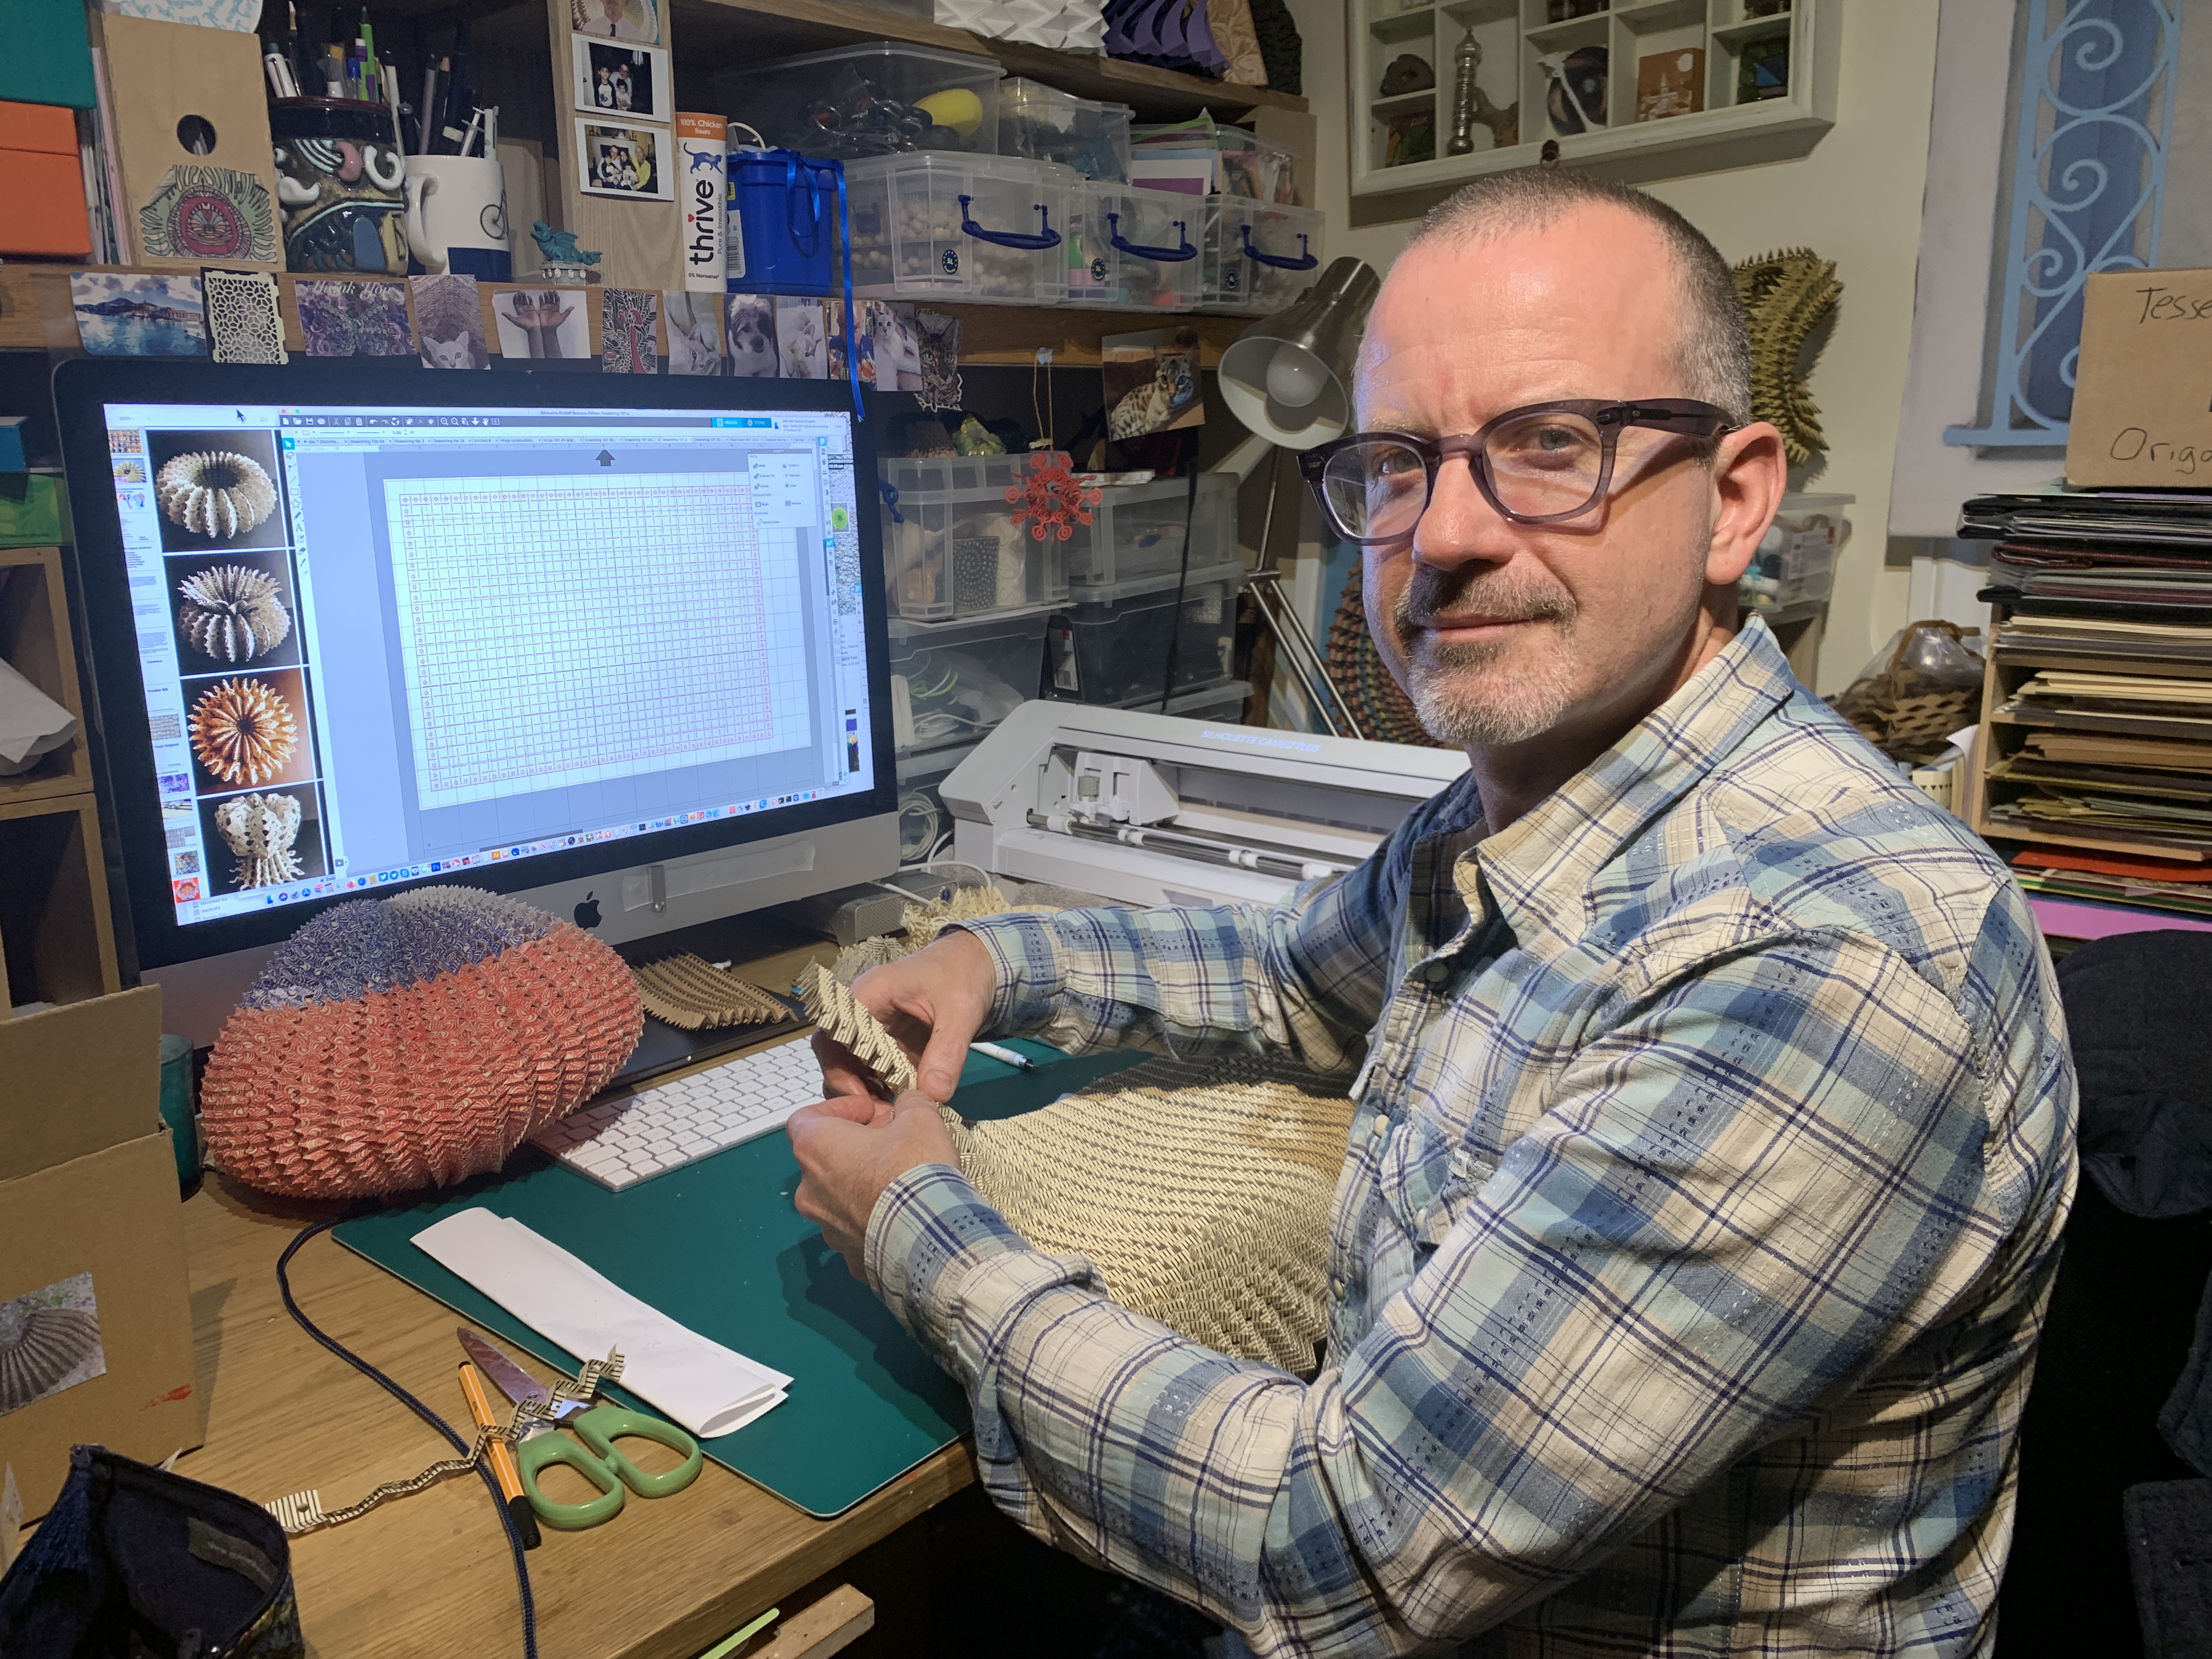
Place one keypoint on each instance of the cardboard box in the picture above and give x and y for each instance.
(2142, 386)
(38, 159)
(1670, 83)
(95, 1304)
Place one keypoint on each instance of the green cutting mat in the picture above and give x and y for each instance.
(718, 1247)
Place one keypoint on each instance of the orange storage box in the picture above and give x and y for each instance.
(38, 158)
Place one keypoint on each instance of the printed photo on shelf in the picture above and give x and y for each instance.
(629, 330)
(637, 20)
(354, 319)
(1151, 382)
(262, 838)
(864, 352)
(1670, 83)
(802, 344)
(614, 79)
(897, 345)
(248, 730)
(449, 321)
(695, 332)
(139, 316)
(754, 352)
(542, 322)
(217, 490)
(233, 610)
(245, 324)
(627, 161)
(49, 1341)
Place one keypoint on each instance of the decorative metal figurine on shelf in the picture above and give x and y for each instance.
(1471, 105)
(564, 261)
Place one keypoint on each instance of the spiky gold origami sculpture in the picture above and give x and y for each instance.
(1785, 295)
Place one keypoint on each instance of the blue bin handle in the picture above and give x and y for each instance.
(1163, 255)
(1305, 261)
(1046, 238)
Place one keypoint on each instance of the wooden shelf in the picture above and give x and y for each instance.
(56, 935)
(34, 641)
(714, 33)
(36, 314)
(1723, 134)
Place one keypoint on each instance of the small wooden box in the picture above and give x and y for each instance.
(46, 183)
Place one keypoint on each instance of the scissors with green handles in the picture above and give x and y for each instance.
(598, 1426)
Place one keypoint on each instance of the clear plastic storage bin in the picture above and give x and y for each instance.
(1043, 124)
(959, 227)
(1797, 558)
(1139, 530)
(1114, 648)
(1257, 257)
(951, 547)
(952, 682)
(875, 100)
(1149, 239)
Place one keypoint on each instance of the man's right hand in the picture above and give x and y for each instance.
(932, 1002)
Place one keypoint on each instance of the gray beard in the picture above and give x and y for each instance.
(1491, 713)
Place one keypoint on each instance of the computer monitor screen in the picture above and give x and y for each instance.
(391, 626)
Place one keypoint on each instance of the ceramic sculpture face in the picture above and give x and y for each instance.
(344, 206)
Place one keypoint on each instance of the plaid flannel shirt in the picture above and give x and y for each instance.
(1701, 1204)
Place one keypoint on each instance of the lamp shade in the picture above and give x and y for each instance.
(1288, 378)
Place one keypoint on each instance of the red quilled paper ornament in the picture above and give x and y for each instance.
(1050, 498)
(413, 1041)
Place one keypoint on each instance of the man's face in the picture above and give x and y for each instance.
(1502, 632)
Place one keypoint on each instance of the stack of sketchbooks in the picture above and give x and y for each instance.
(2101, 750)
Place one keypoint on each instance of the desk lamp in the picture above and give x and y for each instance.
(1287, 378)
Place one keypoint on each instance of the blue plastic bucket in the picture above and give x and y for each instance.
(786, 210)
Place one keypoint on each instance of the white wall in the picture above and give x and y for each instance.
(1855, 199)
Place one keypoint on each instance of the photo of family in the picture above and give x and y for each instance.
(619, 79)
(622, 161)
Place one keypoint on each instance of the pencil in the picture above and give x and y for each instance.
(502, 1457)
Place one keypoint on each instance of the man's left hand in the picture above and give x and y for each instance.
(850, 1148)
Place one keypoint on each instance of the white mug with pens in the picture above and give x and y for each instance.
(457, 216)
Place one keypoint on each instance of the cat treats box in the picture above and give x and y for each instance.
(95, 1306)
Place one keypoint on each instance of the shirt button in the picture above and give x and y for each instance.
(1336, 1285)
(1436, 973)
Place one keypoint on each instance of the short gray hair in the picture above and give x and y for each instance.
(1714, 353)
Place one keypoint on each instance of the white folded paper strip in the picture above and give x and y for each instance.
(708, 1389)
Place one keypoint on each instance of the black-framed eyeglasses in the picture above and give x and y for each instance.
(1536, 465)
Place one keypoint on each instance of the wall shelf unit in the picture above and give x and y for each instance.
(1527, 53)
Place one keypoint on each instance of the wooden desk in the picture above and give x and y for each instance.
(432, 1573)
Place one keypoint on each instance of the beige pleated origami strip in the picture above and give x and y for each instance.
(1200, 1192)
(690, 993)
(835, 1011)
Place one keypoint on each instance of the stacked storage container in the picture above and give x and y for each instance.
(1256, 256)
(951, 547)
(959, 227)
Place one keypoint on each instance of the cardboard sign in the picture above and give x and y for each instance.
(2143, 391)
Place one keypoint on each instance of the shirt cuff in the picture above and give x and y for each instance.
(928, 1232)
(1025, 959)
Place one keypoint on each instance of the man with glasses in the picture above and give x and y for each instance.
(1714, 1128)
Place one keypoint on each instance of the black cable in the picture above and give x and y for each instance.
(1183, 574)
(461, 1446)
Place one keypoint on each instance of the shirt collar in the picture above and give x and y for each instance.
(1554, 850)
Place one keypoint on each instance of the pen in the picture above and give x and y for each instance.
(502, 1457)
(1005, 1056)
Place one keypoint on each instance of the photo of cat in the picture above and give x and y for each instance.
(801, 343)
(542, 322)
(695, 332)
(449, 322)
(753, 349)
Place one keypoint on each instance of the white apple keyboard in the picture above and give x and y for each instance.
(633, 1138)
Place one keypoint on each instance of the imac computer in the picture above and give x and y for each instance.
(614, 645)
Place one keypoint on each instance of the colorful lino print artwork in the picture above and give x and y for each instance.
(139, 316)
(355, 319)
(242, 317)
(208, 213)
(450, 321)
(627, 320)
(49, 1341)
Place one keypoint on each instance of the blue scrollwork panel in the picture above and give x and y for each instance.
(2085, 190)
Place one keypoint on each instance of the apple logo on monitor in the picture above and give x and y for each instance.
(587, 913)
